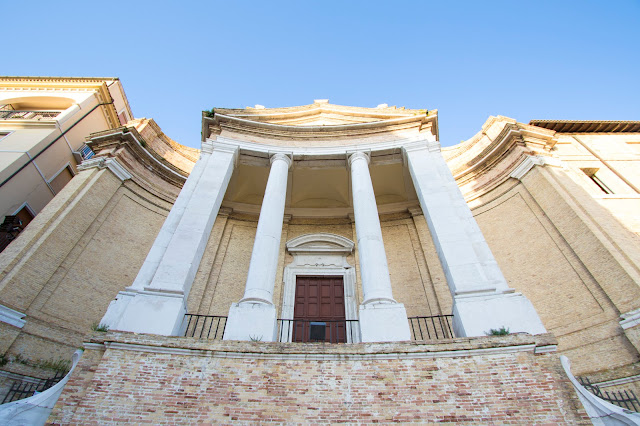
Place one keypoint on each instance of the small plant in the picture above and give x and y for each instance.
(502, 331)
(255, 338)
(103, 328)
(21, 360)
(210, 113)
(4, 359)
(61, 365)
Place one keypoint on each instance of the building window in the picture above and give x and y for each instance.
(84, 153)
(592, 174)
(61, 179)
(14, 224)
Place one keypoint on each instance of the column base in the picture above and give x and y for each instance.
(384, 322)
(476, 315)
(151, 313)
(251, 322)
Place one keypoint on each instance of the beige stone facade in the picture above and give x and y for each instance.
(557, 203)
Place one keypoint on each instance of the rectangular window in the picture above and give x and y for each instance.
(14, 224)
(592, 173)
(61, 179)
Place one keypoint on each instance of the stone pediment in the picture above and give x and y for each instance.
(326, 119)
(320, 113)
(320, 243)
(320, 120)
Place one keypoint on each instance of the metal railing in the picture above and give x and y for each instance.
(28, 115)
(22, 389)
(431, 327)
(204, 326)
(331, 331)
(623, 398)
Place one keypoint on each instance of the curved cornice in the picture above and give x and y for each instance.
(163, 147)
(111, 143)
(488, 159)
(241, 121)
(261, 114)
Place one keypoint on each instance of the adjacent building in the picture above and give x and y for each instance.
(43, 125)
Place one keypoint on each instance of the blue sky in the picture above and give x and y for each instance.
(523, 59)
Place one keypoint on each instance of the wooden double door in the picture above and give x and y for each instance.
(319, 313)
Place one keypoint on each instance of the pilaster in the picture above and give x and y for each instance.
(482, 297)
(156, 302)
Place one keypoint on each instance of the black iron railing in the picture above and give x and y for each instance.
(22, 389)
(432, 327)
(623, 398)
(28, 115)
(331, 331)
(204, 326)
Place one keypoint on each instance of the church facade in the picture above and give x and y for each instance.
(326, 263)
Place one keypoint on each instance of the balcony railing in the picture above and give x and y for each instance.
(28, 115)
(23, 389)
(204, 326)
(433, 327)
(622, 398)
(330, 331)
(212, 327)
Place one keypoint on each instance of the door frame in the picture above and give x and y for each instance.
(320, 255)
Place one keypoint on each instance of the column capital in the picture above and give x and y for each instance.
(288, 158)
(359, 155)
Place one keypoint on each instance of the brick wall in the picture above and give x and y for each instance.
(151, 379)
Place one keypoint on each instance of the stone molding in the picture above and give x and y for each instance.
(260, 121)
(529, 162)
(311, 352)
(108, 144)
(630, 319)
(12, 317)
(337, 152)
(106, 163)
(320, 243)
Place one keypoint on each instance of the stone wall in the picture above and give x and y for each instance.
(416, 274)
(124, 377)
(61, 271)
(549, 249)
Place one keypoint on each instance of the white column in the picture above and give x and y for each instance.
(255, 316)
(482, 297)
(381, 317)
(156, 301)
